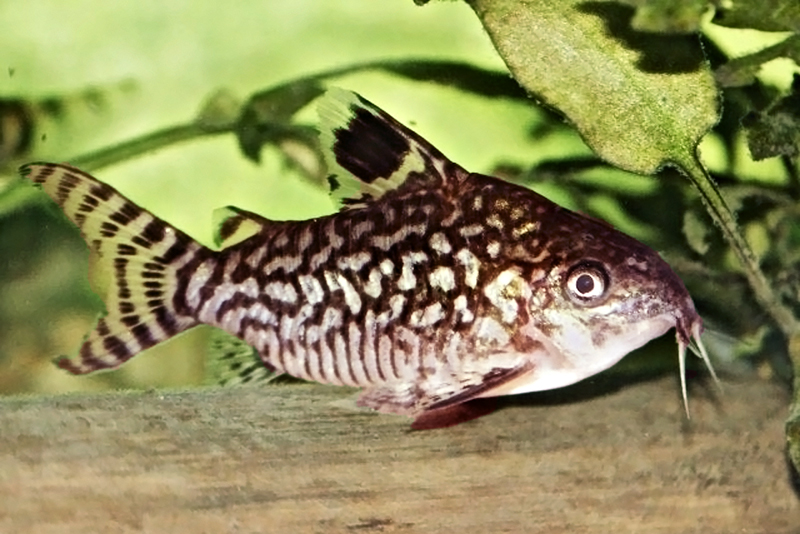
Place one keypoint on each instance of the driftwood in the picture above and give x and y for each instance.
(301, 458)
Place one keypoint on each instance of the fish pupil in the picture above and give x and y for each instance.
(584, 284)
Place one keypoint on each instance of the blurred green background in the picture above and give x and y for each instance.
(153, 64)
(99, 73)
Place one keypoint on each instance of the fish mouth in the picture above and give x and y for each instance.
(687, 334)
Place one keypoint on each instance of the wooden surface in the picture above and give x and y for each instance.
(300, 458)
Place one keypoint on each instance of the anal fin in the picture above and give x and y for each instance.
(491, 381)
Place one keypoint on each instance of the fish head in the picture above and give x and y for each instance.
(599, 295)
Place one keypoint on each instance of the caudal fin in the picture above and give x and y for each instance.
(143, 254)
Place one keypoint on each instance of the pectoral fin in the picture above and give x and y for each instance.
(432, 401)
(495, 379)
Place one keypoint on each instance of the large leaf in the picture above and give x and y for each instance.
(640, 100)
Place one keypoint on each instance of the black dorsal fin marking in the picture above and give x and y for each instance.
(143, 254)
(369, 153)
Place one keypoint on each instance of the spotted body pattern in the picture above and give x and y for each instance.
(433, 285)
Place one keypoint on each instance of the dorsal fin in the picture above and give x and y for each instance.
(369, 153)
(234, 225)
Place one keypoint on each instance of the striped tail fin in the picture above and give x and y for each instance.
(144, 254)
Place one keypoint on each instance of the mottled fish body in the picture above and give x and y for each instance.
(433, 285)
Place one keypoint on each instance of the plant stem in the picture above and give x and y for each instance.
(149, 142)
(721, 214)
(793, 423)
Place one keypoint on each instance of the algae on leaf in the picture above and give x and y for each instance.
(639, 100)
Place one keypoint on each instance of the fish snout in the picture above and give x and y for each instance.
(688, 332)
(688, 323)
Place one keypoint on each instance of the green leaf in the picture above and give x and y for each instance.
(697, 231)
(266, 116)
(764, 15)
(639, 100)
(742, 70)
(668, 16)
(476, 80)
(776, 131)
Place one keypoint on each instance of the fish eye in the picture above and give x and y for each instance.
(586, 283)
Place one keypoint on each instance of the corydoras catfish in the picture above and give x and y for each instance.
(431, 287)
